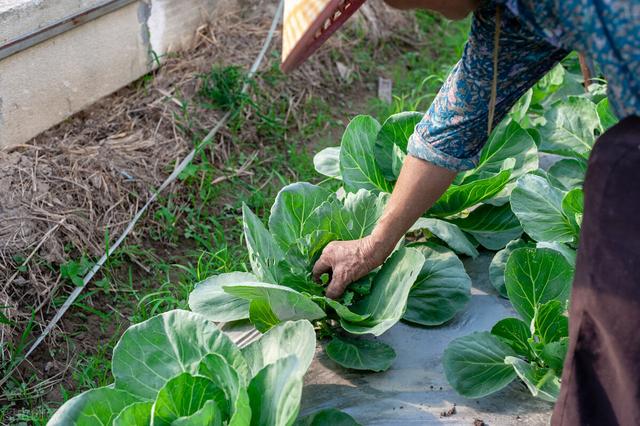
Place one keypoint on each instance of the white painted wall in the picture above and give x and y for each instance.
(43, 85)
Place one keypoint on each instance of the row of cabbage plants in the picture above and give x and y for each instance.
(179, 369)
(530, 215)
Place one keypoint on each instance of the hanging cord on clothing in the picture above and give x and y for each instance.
(494, 82)
(586, 72)
(178, 170)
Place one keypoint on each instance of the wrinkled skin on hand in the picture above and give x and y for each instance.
(347, 261)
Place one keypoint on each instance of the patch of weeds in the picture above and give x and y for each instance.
(75, 270)
(31, 416)
(222, 88)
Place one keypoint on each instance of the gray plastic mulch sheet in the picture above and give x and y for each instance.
(414, 390)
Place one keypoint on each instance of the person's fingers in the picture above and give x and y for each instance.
(322, 266)
(338, 284)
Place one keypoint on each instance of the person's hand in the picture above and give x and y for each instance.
(347, 261)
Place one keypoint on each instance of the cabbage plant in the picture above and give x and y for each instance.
(531, 347)
(422, 283)
(179, 369)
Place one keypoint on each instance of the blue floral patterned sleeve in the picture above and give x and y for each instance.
(535, 35)
(454, 129)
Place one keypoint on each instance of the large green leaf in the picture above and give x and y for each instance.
(361, 354)
(499, 264)
(295, 213)
(549, 323)
(96, 407)
(536, 276)
(460, 197)
(358, 166)
(183, 396)
(209, 415)
(570, 127)
(290, 338)
(538, 206)
(606, 115)
(388, 298)
(275, 393)
(474, 364)
(573, 208)
(358, 215)
(327, 417)
(218, 370)
(264, 253)
(542, 382)
(567, 173)
(209, 299)
(441, 290)
(492, 226)
(394, 134)
(509, 140)
(327, 162)
(137, 414)
(285, 303)
(151, 353)
(448, 232)
(515, 333)
(268, 260)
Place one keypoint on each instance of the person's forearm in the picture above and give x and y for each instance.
(419, 186)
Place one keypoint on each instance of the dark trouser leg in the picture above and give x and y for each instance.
(601, 379)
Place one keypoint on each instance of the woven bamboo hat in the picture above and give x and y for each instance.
(308, 23)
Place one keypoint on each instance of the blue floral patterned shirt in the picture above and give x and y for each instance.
(535, 36)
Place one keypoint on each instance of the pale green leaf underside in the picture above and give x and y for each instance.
(96, 407)
(286, 304)
(209, 299)
(275, 393)
(151, 353)
(541, 382)
(327, 162)
(291, 338)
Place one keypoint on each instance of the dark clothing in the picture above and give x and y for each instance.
(601, 380)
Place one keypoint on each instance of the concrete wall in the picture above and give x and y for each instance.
(43, 85)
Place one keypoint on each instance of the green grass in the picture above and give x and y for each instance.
(197, 230)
